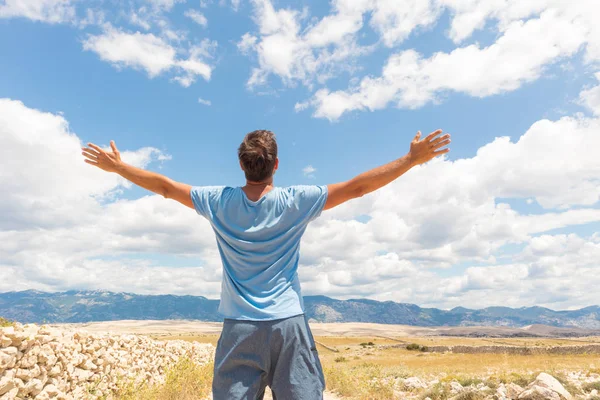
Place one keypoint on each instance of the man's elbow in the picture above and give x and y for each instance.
(359, 191)
(164, 191)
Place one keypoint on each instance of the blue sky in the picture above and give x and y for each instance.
(345, 86)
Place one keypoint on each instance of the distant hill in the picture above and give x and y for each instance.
(98, 305)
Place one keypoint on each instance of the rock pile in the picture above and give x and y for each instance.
(544, 387)
(48, 363)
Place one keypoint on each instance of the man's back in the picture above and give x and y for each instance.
(259, 244)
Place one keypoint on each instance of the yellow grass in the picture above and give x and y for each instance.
(360, 371)
(185, 380)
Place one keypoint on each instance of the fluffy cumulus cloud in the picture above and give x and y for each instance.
(499, 227)
(156, 44)
(413, 230)
(531, 37)
(150, 53)
(524, 49)
(51, 11)
(591, 97)
(67, 226)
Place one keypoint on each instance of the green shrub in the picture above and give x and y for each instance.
(417, 347)
(470, 395)
(436, 392)
(5, 322)
(340, 359)
(588, 387)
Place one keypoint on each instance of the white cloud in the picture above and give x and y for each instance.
(294, 53)
(62, 227)
(591, 97)
(150, 53)
(164, 4)
(532, 36)
(309, 171)
(204, 102)
(410, 81)
(247, 43)
(51, 11)
(196, 16)
(417, 230)
(68, 229)
(395, 20)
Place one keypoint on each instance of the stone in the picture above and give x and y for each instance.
(10, 395)
(6, 384)
(550, 382)
(513, 390)
(456, 387)
(5, 341)
(539, 393)
(413, 383)
(8, 357)
(34, 386)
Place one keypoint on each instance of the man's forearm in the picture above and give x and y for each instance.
(381, 176)
(148, 180)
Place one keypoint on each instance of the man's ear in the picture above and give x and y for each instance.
(276, 165)
(241, 166)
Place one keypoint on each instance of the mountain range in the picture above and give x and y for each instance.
(99, 305)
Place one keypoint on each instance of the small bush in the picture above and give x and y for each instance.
(362, 382)
(185, 380)
(5, 322)
(468, 381)
(437, 392)
(417, 347)
(588, 387)
(470, 395)
(340, 359)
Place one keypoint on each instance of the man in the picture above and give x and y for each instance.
(265, 339)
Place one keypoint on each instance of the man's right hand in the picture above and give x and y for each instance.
(424, 150)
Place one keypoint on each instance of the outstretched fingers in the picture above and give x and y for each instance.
(98, 149)
(440, 144)
(432, 135)
(437, 140)
(89, 153)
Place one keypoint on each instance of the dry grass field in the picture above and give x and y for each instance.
(366, 367)
(370, 361)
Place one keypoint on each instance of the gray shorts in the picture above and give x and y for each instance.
(280, 353)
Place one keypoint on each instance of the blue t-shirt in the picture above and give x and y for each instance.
(259, 243)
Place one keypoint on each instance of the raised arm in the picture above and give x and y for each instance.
(157, 183)
(420, 152)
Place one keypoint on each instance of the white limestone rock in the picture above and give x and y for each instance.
(550, 382)
(538, 393)
(414, 383)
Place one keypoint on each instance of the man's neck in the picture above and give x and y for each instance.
(255, 190)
